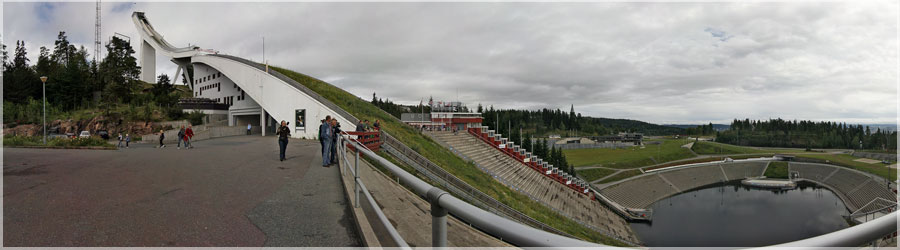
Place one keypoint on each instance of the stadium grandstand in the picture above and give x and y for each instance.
(550, 192)
(856, 188)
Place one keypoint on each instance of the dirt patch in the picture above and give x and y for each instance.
(867, 160)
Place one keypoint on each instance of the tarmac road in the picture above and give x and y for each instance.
(229, 191)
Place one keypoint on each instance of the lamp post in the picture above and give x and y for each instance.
(44, 84)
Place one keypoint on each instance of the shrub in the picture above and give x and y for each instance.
(195, 117)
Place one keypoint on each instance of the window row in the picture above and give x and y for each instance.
(207, 78)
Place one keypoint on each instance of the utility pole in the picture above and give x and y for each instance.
(97, 35)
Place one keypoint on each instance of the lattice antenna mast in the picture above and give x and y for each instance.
(97, 35)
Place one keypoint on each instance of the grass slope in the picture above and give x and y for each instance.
(441, 156)
(594, 173)
(621, 176)
(777, 170)
(846, 160)
(632, 157)
(715, 148)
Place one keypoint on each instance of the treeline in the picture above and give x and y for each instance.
(76, 81)
(396, 109)
(706, 129)
(806, 134)
(546, 121)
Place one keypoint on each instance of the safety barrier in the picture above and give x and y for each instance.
(372, 139)
(521, 235)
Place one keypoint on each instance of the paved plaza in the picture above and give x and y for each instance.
(229, 191)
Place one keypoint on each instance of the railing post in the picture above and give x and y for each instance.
(438, 218)
(356, 177)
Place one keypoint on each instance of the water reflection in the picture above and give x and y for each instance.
(734, 215)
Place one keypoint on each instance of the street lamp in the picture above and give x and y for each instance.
(44, 84)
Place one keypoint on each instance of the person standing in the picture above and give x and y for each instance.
(248, 128)
(336, 127)
(377, 125)
(188, 135)
(180, 138)
(283, 134)
(120, 141)
(127, 139)
(162, 135)
(322, 139)
(326, 133)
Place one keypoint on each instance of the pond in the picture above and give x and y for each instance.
(733, 215)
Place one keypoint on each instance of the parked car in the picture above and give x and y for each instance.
(84, 134)
(103, 134)
(70, 135)
(52, 136)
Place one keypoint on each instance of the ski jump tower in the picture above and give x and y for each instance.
(244, 91)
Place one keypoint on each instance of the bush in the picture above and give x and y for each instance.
(195, 117)
(10, 140)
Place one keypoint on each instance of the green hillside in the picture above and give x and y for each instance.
(466, 171)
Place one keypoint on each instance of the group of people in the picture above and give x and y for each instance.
(184, 135)
(127, 139)
(329, 132)
(363, 126)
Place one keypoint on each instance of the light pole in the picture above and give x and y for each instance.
(44, 84)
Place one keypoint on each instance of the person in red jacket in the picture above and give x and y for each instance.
(188, 133)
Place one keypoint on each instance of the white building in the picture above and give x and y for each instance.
(252, 94)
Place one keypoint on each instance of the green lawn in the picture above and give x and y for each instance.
(777, 169)
(441, 156)
(621, 176)
(594, 173)
(847, 160)
(715, 148)
(632, 157)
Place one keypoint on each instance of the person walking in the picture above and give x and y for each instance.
(180, 138)
(188, 135)
(127, 139)
(248, 128)
(162, 135)
(336, 127)
(283, 134)
(120, 141)
(326, 133)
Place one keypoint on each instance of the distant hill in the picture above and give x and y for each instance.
(716, 127)
(883, 127)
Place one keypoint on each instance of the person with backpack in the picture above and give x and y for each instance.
(283, 134)
(180, 138)
(127, 139)
(188, 135)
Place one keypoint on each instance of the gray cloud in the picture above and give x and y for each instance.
(657, 62)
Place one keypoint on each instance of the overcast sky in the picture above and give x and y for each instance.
(657, 62)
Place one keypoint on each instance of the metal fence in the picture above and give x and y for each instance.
(459, 187)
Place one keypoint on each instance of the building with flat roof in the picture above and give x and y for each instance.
(444, 116)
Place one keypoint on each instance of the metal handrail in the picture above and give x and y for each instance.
(508, 230)
(525, 236)
(360, 187)
(851, 237)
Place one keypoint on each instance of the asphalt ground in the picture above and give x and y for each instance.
(230, 191)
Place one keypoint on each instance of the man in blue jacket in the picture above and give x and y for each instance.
(325, 135)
